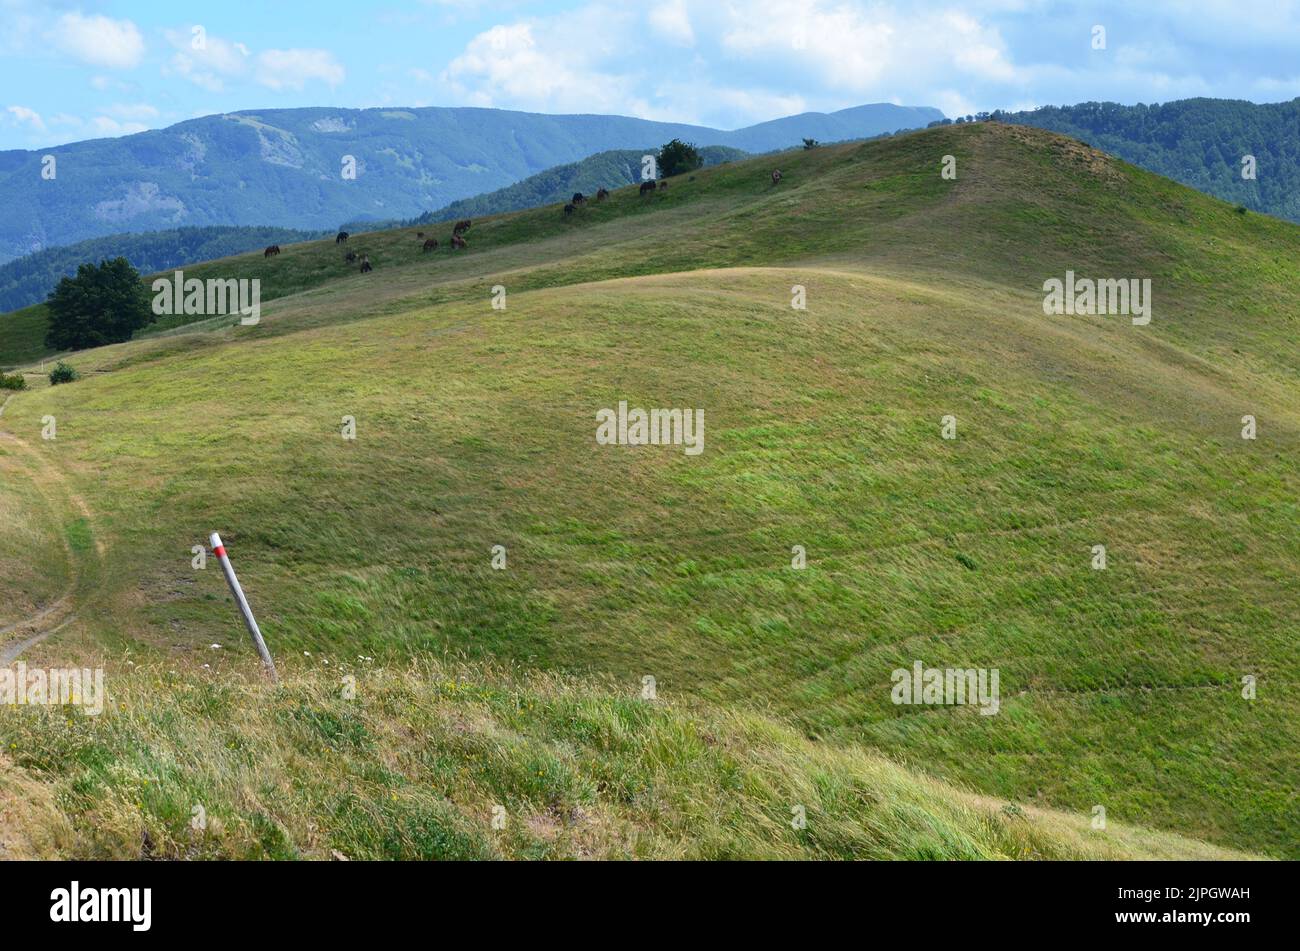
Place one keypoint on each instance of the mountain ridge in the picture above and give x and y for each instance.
(289, 167)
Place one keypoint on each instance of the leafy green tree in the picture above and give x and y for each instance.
(103, 303)
(810, 144)
(677, 157)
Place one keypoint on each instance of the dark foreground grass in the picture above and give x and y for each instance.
(445, 761)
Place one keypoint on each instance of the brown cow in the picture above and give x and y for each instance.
(647, 186)
(457, 241)
(776, 176)
(271, 251)
(430, 244)
(663, 186)
(419, 234)
(602, 194)
(350, 257)
(365, 264)
(461, 227)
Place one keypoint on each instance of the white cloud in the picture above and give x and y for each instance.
(221, 61)
(718, 63)
(535, 64)
(106, 126)
(209, 67)
(30, 117)
(99, 40)
(672, 21)
(293, 69)
(864, 50)
(132, 110)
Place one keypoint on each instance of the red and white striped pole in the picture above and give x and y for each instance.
(220, 551)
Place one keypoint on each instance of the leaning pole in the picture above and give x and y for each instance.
(220, 551)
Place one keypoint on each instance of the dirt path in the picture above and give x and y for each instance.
(63, 502)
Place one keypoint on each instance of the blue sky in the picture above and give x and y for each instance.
(72, 71)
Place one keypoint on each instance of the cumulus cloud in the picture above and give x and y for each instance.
(535, 64)
(98, 40)
(138, 111)
(208, 65)
(672, 21)
(217, 61)
(293, 69)
(24, 116)
(109, 127)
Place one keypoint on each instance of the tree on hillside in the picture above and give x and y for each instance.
(677, 157)
(810, 143)
(103, 303)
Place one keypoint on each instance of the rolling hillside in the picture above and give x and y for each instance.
(1199, 142)
(611, 170)
(475, 428)
(286, 167)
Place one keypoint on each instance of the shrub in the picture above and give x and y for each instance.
(62, 373)
(14, 382)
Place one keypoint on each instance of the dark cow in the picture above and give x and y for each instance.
(776, 176)
(647, 186)
(340, 237)
(365, 264)
(602, 194)
(457, 241)
(461, 227)
(271, 251)
(568, 210)
(419, 234)
(579, 198)
(663, 186)
(430, 244)
(350, 257)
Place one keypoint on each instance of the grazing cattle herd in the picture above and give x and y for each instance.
(458, 230)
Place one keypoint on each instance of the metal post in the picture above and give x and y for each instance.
(219, 550)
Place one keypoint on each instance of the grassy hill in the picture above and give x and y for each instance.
(1199, 142)
(612, 169)
(475, 428)
(286, 166)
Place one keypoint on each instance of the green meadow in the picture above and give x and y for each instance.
(372, 557)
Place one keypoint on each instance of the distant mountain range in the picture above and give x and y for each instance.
(288, 167)
(29, 279)
(612, 169)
